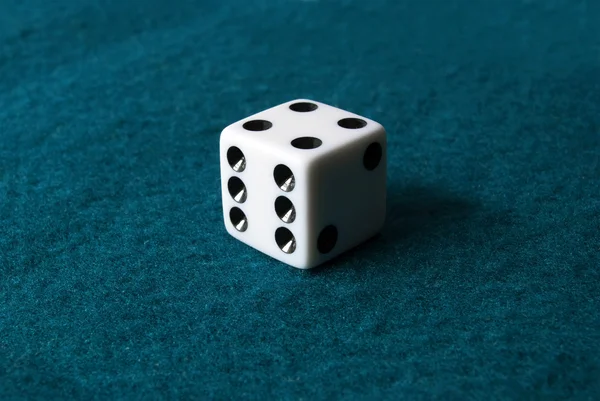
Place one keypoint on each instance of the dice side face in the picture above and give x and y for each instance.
(349, 186)
(263, 205)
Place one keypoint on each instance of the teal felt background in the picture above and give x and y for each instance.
(118, 280)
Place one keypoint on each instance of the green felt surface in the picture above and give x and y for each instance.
(119, 281)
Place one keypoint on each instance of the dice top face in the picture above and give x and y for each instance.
(303, 181)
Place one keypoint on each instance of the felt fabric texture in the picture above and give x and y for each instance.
(119, 281)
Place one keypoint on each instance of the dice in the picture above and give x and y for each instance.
(303, 182)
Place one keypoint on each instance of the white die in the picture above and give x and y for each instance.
(303, 181)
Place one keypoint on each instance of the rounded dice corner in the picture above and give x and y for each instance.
(227, 133)
(377, 128)
(307, 266)
(227, 225)
(311, 261)
(301, 265)
(301, 100)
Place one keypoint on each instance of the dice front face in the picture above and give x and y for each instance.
(303, 181)
(264, 196)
